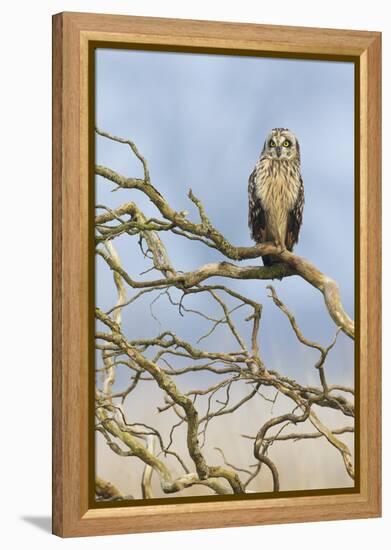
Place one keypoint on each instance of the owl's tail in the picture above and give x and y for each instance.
(269, 260)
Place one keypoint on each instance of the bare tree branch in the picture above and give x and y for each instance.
(164, 356)
(291, 265)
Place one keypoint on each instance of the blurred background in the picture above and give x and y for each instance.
(200, 121)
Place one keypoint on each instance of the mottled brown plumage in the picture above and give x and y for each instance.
(276, 193)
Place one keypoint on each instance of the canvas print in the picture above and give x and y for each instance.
(224, 276)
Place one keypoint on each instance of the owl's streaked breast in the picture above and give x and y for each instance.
(277, 186)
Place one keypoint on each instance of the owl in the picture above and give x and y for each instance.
(276, 193)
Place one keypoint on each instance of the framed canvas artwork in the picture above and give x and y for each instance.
(216, 200)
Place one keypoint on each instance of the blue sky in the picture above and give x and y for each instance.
(200, 121)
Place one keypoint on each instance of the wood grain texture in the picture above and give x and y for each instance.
(222, 35)
(72, 33)
(371, 323)
(57, 405)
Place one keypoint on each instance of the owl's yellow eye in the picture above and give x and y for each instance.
(272, 143)
(286, 143)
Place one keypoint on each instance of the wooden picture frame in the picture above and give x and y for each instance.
(74, 35)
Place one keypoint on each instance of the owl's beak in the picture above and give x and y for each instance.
(278, 151)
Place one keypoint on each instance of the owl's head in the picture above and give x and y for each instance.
(281, 144)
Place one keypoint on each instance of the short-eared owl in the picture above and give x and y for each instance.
(276, 193)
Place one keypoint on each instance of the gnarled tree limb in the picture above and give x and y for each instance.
(291, 264)
(160, 358)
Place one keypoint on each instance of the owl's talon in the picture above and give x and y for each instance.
(280, 247)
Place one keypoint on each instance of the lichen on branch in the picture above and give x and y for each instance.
(165, 359)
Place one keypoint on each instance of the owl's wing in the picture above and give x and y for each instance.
(295, 219)
(256, 212)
